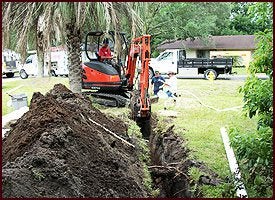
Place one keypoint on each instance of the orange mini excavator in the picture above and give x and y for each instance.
(112, 84)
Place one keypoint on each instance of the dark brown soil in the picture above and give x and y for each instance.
(54, 150)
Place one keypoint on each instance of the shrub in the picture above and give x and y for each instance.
(254, 150)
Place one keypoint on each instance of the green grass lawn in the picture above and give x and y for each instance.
(199, 124)
(29, 86)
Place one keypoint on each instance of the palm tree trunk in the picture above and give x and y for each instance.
(73, 41)
(40, 54)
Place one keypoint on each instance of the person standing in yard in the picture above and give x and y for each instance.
(157, 82)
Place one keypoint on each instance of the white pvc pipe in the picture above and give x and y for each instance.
(234, 168)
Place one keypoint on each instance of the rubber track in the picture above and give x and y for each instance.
(113, 100)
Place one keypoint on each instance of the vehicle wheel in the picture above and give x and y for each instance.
(151, 73)
(10, 75)
(208, 72)
(23, 74)
(53, 73)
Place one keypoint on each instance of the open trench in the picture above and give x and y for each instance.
(168, 166)
(169, 163)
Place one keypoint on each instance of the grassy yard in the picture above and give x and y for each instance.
(27, 87)
(202, 110)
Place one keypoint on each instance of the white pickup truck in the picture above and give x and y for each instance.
(175, 60)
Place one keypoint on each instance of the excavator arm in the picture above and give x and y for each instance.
(140, 101)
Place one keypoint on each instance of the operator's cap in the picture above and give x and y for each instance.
(157, 71)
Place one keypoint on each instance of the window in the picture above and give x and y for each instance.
(182, 55)
(166, 56)
(203, 54)
(28, 61)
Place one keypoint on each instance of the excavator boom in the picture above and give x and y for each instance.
(140, 47)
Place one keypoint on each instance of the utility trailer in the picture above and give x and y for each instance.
(10, 63)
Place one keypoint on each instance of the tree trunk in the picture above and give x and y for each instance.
(40, 53)
(49, 52)
(73, 41)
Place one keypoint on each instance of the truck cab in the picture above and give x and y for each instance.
(30, 66)
(167, 61)
(172, 60)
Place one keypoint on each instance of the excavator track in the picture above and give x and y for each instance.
(106, 99)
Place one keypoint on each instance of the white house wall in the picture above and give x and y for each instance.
(246, 56)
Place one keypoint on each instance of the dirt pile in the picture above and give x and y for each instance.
(62, 148)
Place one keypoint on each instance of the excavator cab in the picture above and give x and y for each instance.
(102, 73)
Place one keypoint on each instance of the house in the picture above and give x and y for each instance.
(241, 46)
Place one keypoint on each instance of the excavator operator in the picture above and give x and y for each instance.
(105, 55)
(105, 51)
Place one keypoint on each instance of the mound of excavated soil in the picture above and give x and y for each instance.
(57, 150)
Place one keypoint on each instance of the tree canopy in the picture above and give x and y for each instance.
(164, 21)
